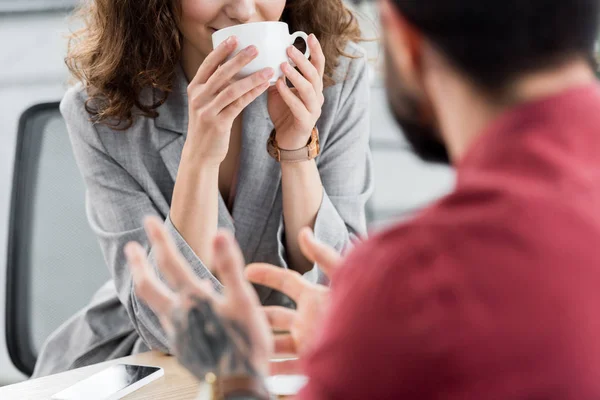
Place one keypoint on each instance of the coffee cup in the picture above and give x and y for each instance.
(272, 40)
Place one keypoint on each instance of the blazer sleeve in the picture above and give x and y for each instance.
(345, 166)
(116, 205)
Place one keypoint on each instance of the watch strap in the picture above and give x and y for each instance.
(306, 153)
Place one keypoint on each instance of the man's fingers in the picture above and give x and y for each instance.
(229, 263)
(326, 257)
(286, 367)
(170, 261)
(213, 60)
(285, 345)
(147, 285)
(280, 318)
(286, 281)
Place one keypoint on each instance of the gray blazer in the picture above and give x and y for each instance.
(131, 174)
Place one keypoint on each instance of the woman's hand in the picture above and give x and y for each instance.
(225, 334)
(214, 100)
(311, 301)
(295, 112)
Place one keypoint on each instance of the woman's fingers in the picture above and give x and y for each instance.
(227, 71)
(303, 86)
(295, 105)
(236, 108)
(147, 285)
(280, 318)
(213, 60)
(307, 68)
(238, 89)
(327, 258)
(317, 56)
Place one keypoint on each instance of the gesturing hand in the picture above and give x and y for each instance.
(311, 300)
(226, 334)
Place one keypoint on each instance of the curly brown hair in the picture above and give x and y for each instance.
(128, 46)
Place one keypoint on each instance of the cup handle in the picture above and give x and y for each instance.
(304, 36)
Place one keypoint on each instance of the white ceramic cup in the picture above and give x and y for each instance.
(270, 38)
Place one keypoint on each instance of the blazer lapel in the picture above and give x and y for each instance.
(173, 113)
(173, 117)
(259, 178)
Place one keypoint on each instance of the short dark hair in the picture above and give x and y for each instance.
(495, 41)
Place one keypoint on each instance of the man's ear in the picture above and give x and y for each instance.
(404, 43)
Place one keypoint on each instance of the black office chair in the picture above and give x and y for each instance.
(54, 261)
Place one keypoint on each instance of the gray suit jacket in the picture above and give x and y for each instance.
(131, 174)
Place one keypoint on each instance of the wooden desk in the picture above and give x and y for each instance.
(177, 384)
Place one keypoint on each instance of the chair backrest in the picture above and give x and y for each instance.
(54, 261)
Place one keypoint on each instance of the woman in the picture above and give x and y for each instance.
(159, 127)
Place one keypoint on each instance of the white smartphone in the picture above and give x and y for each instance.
(113, 383)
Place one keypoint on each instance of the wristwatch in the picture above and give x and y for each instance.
(306, 153)
(236, 387)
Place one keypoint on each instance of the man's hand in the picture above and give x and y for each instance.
(226, 334)
(311, 300)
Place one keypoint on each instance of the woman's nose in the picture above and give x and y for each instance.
(241, 10)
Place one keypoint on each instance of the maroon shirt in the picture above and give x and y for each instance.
(494, 292)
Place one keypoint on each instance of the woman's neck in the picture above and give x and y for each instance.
(191, 59)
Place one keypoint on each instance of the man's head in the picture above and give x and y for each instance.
(488, 44)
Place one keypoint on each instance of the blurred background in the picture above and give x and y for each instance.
(50, 262)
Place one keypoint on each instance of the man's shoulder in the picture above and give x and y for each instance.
(445, 233)
(390, 253)
(484, 225)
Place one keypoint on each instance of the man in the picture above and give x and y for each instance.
(492, 293)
